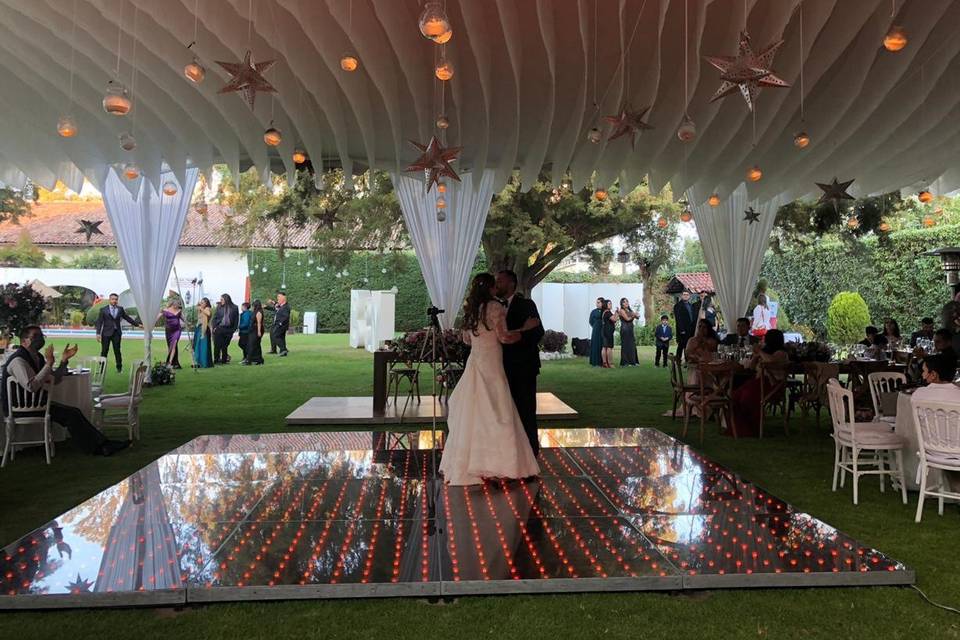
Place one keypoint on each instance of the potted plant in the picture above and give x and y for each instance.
(20, 307)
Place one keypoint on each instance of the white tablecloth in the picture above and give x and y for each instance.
(72, 390)
(911, 460)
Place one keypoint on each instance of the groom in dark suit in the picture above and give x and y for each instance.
(108, 329)
(521, 360)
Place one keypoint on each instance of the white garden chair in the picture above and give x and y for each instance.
(123, 409)
(882, 382)
(26, 408)
(862, 444)
(938, 434)
(98, 373)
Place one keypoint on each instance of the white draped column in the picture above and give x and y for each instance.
(147, 224)
(446, 250)
(732, 247)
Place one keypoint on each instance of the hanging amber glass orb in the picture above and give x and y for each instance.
(443, 122)
(299, 156)
(441, 187)
(170, 188)
(131, 171)
(272, 137)
(928, 221)
(434, 23)
(349, 62)
(127, 141)
(662, 223)
(600, 194)
(194, 71)
(444, 70)
(853, 223)
(754, 174)
(687, 130)
(115, 100)
(441, 215)
(441, 203)
(884, 227)
(801, 140)
(896, 38)
(66, 127)
(686, 216)
(714, 200)
(924, 196)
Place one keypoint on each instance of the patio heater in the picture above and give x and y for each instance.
(950, 263)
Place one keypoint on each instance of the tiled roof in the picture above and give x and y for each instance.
(700, 282)
(58, 224)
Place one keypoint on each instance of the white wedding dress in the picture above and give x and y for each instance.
(486, 438)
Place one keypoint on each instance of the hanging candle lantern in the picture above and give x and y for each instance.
(686, 216)
(116, 102)
(714, 200)
(594, 135)
(131, 171)
(853, 223)
(252, 271)
(801, 140)
(272, 136)
(434, 23)
(662, 222)
(443, 122)
(66, 127)
(349, 62)
(884, 227)
(309, 274)
(600, 194)
(383, 271)
(444, 70)
(754, 173)
(896, 39)
(127, 141)
(928, 221)
(264, 269)
(170, 188)
(687, 130)
(299, 156)
(441, 215)
(194, 71)
(441, 203)
(924, 196)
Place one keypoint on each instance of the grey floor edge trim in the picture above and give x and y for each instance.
(164, 598)
(314, 592)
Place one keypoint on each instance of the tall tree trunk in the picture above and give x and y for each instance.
(648, 311)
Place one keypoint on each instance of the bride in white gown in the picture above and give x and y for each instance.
(486, 438)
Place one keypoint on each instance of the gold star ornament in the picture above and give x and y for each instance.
(435, 161)
(747, 72)
(247, 78)
(628, 122)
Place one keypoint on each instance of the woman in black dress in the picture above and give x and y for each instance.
(254, 350)
(628, 344)
(609, 326)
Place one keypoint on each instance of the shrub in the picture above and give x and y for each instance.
(20, 307)
(645, 334)
(554, 341)
(847, 317)
(77, 318)
(296, 318)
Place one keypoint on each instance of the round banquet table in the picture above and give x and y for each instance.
(906, 427)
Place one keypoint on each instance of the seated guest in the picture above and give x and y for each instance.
(32, 371)
(873, 338)
(891, 331)
(938, 374)
(925, 332)
(703, 344)
(742, 337)
(745, 403)
(942, 344)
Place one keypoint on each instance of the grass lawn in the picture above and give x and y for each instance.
(237, 399)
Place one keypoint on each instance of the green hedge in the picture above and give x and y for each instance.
(895, 280)
(329, 296)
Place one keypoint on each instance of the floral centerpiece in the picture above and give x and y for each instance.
(412, 347)
(21, 307)
(811, 352)
(162, 374)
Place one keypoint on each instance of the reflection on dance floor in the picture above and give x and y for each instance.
(363, 514)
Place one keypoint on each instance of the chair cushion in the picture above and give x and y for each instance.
(873, 434)
(113, 402)
(944, 459)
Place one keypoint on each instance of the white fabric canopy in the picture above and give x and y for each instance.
(733, 247)
(446, 250)
(147, 228)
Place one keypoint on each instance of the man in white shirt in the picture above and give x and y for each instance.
(938, 372)
(32, 372)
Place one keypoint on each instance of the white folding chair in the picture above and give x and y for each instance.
(938, 433)
(882, 382)
(123, 409)
(853, 439)
(25, 408)
(98, 373)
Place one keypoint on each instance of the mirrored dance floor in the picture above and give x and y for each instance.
(331, 515)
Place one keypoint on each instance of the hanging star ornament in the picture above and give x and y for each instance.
(80, 585)
(628, 122)
(751, 216)
(247, 78)
(435, 161)
(835, 191)
(90, 228)
(747, 72)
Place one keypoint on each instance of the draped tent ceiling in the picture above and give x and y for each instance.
(522, 96)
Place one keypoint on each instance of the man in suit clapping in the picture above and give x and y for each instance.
(108, 329)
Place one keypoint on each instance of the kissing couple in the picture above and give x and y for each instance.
(492, 420)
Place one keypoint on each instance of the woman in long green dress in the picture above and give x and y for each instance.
(596, 337)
